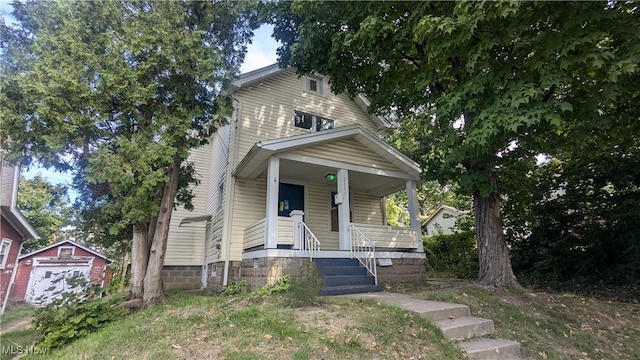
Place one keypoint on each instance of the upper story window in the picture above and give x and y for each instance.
(312, 122)
(4, 252)
(314, 84)
(65, 251)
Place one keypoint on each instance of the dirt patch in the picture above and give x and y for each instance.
(17, 325)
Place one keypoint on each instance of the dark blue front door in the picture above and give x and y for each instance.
(290, 197)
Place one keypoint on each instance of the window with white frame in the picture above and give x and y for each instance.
(220, 194)
(4, 252)
(312, 122)
(65, 252)
(314, 84)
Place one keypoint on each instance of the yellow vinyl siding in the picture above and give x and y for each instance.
(219, 165)
(249, 206)
(254, 234)
(348, 151)
(319, 217)
(268, 109)
(285, 230)
(366, 208)
(185, 244)
(389, 237)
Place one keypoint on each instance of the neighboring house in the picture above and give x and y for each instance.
(14, 229)
(442, 221)
(41, 275)
(298, 173)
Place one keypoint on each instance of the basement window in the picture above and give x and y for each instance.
(312, 122)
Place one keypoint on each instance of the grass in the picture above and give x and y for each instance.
(550, 325)
(16, 342)
(16, 312)
(253, 327)
(195, 325)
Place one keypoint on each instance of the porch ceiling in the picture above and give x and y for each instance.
(312, 173)
(313, 169)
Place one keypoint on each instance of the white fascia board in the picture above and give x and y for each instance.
(249, 166)
(59, 243)
(254, 76)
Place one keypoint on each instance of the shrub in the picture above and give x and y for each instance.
(282, 285)
(74, 314)
(452, 253)
(235, 287)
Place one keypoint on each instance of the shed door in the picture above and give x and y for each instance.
(49, 282)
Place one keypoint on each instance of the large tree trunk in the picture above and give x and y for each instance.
(139, 259)
(493, 253)
(153, 287)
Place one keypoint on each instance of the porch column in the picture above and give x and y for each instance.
(271, 220)
(414, 212)
(344, 218)
(297, 215)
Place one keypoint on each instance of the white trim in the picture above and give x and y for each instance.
(321, 84)
(254, 76)
(440, 209)
(414, 212)
(262, 74)
(62, 242)
(273, 184)
(343, 165)
(290, 253)
(252, 164)
(6, 255)
(12, 280)
(344, 218)
(73, 250)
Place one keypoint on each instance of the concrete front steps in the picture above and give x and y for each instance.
(344, 276)
(457, 324)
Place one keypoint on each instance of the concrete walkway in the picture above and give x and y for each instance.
(456, 323)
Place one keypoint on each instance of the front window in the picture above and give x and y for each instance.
(312, 122)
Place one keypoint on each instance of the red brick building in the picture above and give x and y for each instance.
(38, 271)
(14, 229)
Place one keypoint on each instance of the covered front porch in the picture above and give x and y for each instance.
(325, 195)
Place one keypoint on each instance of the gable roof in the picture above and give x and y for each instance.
(62, 243)
(375, 180)
(256, 76)
(440, 209)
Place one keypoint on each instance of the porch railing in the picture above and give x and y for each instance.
(364, 250)
(310, 243)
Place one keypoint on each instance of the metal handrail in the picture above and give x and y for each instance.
(364, 250)
(310, 242)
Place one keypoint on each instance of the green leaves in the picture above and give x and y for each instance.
(527, 70)
(119, 90)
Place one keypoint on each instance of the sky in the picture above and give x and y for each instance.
(260, 53)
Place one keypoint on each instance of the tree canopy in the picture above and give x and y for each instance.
(479, 87)
(120, 91)
(48, 209)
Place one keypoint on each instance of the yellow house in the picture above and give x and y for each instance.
(299, 174)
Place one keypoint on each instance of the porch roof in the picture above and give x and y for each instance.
(372, 180)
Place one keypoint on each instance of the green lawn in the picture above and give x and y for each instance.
(201, 326)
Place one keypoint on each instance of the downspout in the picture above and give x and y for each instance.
(205, 257)
(234, 133)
